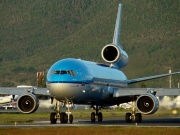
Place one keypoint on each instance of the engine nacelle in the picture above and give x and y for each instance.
(114, 55)
(147, 104)
(28, 103)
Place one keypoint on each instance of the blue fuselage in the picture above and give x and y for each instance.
(84, 82)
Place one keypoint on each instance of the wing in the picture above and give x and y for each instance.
(140, 91)
(20, 91)
(123, 83)
(149, 78)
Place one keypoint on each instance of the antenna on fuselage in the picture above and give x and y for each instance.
(116, 38)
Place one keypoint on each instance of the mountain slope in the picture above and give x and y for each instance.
(35, 34)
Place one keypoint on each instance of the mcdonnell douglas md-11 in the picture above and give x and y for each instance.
(74, 81)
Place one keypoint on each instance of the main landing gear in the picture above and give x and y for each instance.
(63, 116)
(133, 116)
(97, 115)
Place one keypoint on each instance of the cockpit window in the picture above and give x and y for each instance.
(61, 72)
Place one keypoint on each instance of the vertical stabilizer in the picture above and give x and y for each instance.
(116, 38)
(113, 53)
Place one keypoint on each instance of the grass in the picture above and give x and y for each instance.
(35, 34)
(91, 130)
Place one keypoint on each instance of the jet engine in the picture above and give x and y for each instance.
(114, 55)
(28, 103)
(147, 104)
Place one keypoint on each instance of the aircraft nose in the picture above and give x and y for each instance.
(65, 77)
(53, 77)
(54, 88)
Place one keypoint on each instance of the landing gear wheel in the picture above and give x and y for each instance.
(52, 118)
(128, 117)
(100, 117)
(70, 118)
(93, 117)
(138, 117)
(63, 117)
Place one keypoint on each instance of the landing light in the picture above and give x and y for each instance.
(174, 111)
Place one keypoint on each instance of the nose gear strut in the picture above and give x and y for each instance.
(63, 116)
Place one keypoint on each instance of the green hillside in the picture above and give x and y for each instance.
(35, 34)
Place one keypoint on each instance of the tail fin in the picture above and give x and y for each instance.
(113, 53)
(116, 38)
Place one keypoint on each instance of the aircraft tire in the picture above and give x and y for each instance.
(138, 117)
(93, 117)
(63, 117)
(52, 118)
(100, 117)
(71, 118)
(128, 117)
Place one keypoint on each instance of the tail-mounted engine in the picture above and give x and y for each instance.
(147, 104)
(28, 103)
(114, 55)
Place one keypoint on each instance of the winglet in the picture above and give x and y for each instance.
(116, 37)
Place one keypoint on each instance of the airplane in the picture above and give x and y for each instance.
(75, 81)
(126, 105)
(11, 106)
(8, 101)
(5, 99)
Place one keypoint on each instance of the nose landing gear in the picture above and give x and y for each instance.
(63, 116)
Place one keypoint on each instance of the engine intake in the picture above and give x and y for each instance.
(110, 53)
(28, 103)
(147, 104)
(114, 55)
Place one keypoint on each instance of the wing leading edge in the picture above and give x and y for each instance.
(20, 91)
(122, 92)
(149, 78)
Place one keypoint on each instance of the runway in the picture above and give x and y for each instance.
(148, 121)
